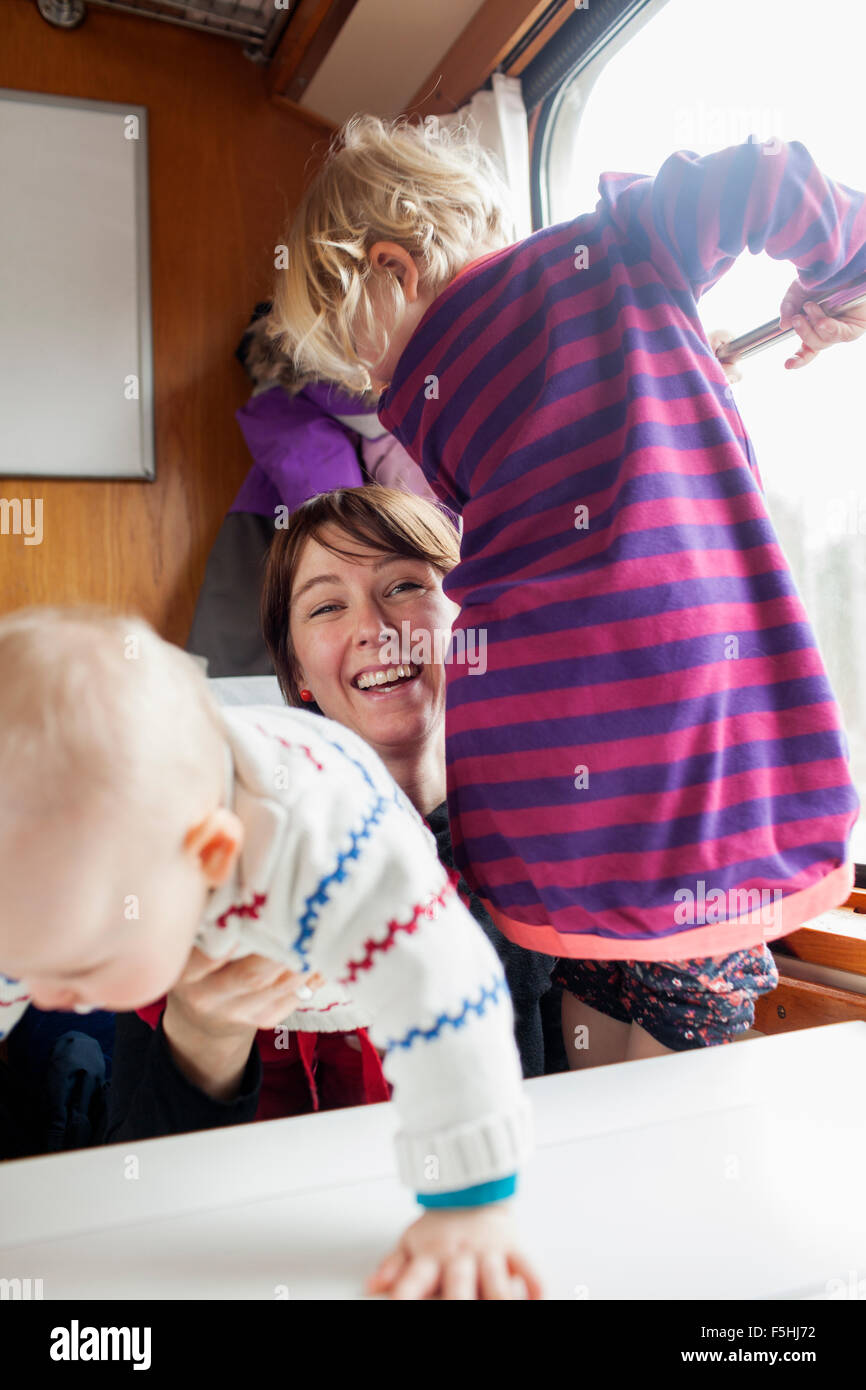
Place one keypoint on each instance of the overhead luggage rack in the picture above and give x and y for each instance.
(258, 24)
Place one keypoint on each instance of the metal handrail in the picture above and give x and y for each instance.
(768, 333)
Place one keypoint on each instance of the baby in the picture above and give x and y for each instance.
(137, 821)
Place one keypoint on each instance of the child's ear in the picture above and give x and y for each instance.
(216, 843)
(388, 256)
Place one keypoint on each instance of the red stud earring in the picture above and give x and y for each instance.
(306, 695)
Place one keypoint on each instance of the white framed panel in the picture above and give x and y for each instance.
(76, 359)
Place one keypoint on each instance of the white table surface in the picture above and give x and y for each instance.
(730, 1172)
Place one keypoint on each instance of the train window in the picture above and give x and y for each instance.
(695, 77)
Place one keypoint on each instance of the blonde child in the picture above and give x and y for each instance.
(651, 779)
(137, 822)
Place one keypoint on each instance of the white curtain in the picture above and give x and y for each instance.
(500, 121)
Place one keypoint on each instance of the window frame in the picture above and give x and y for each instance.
(588, 70)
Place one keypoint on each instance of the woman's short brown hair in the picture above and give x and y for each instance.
(378, 518)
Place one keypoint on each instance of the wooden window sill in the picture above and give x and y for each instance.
(837, 939)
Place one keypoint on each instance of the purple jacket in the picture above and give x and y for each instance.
(306, 444)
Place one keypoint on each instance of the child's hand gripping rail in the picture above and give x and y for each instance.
(834, 305)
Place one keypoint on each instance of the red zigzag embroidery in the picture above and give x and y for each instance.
(243, 909)
(285, 743)
(420, 912)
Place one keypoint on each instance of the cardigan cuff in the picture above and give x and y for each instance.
(451, 1160)
(479, 1196)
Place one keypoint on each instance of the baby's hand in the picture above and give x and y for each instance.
(458, 1253)
(817, 330)
(717, 338)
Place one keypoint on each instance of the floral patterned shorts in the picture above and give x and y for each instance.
(682, 1004)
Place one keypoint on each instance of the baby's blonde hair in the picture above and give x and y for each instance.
(434, 191)
(94, 702)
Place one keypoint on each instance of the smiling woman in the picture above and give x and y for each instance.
(356, 569)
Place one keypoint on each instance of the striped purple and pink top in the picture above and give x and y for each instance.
(652, 765)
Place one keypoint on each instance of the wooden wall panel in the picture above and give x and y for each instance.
(226, 167)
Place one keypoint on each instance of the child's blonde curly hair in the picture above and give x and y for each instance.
(434, 191)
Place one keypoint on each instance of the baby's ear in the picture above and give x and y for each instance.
(216, 843)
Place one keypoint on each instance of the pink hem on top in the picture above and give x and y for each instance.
(696, 942)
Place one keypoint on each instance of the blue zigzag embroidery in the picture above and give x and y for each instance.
(365, 773)
(478, 1007)
(317, 899)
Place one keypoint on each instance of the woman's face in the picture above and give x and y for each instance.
(346, 621)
